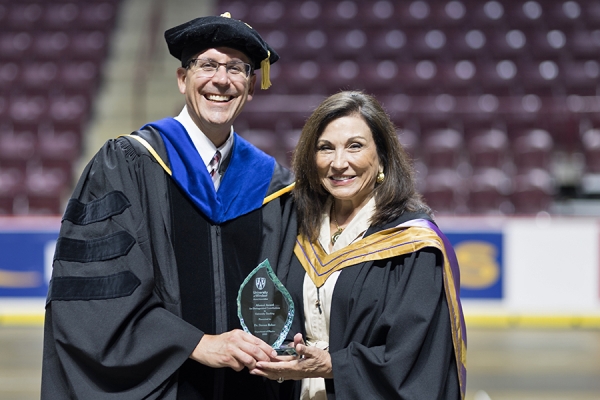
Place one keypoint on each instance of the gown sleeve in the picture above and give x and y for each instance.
(393, 320)
(112, 328)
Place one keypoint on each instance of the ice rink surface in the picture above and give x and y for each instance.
(503, 363)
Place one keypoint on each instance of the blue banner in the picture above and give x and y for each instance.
(480, 257)
(26, 263)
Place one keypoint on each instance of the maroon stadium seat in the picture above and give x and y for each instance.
(590, 142)
(15, 45)
(443, 190)
(488, 149)
(25, 15)
(532, 149)
(488, 192)
(533, 191)
(442, 148)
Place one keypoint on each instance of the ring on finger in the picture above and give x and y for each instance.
(280, 379)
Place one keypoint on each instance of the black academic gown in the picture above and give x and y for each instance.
(140, 275)
(390, 331)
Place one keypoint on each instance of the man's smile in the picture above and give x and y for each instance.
(218, 97)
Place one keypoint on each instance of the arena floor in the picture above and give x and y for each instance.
(515, 364)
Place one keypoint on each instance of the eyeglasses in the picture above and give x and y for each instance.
(206, 68)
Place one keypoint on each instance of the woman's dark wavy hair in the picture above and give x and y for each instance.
(394, 196)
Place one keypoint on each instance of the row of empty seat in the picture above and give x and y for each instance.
(487, 95)
(573, 77)
(553, 13)
(505, 77)
(484, 174)
(37, 109)
(488, 191)
(51, 56)
(57, 141)
(37, 190)
(564, 118)
(36, 166)
(448, 43)
(496, 101)
(85, 44)
(19, 80)
(48, 15)
(449, 148)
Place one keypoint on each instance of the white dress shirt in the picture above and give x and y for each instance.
(203, 144)
(316, 323)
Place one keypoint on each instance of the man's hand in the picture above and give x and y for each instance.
(235, 349)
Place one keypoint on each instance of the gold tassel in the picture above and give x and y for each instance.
(265, 66)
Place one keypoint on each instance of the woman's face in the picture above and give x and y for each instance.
(347, 160)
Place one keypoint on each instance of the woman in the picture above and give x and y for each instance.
(376, 279)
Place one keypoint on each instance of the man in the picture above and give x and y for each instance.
(163, 227)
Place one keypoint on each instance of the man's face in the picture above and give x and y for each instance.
(214, 102)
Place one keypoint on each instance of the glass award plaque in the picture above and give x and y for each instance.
(265, 307)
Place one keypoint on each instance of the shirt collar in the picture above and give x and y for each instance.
(355, 229)
(204, 146)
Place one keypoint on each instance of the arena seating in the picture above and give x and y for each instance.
(51, 55)
(491, 98)
(487, 95)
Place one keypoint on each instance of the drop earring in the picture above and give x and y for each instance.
(380, 177)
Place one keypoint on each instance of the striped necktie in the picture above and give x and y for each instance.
(213, 166)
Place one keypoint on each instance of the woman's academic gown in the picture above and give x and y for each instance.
(390, 330)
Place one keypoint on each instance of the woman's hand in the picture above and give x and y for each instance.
(311, 363)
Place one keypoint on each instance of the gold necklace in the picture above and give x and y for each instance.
(339, 230)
